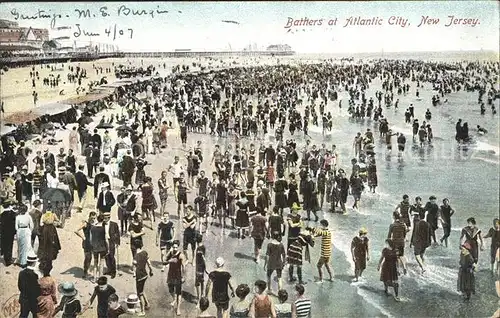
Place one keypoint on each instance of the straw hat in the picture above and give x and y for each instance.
(219, 262)
(103, 280)
(32, 258)
(132, 299)
(67, 289)
(363, 231)
(295, 206)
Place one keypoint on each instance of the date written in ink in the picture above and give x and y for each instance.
(116, 32)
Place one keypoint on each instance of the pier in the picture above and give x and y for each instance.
(21, 61)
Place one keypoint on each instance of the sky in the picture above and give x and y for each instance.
(199, 26)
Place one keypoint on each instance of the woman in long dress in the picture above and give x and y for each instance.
(293, 195)
(163, 191)
(472, 234)
(24, 227)
(242, 219)
(48, 298)
(74, 140)
(50, 245)
(107, 144)
(149, 204)
(388, 267)
(232, 195)
(466, 280)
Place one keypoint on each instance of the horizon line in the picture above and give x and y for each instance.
(298, 53)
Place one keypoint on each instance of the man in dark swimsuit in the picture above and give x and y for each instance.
(397, 233)
(445, 214)
(166, 234)
(420, 239)
(432, 211)
(403, 209)
(175, 276)
(189, 223)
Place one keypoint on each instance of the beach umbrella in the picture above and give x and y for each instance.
(47, 126)
(56, 195)
(5, 130)
(85, 120)
(104, 126)
(124, 127)
(52, 109)
(135, 99)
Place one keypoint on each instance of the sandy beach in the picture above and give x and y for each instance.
(16, 86)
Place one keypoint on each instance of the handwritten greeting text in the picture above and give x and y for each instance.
(113, 32)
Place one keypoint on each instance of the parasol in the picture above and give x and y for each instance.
(5, 130)
(85, 120)
(124, 127)
(52, 109)
(104, 126)
(47, 126)
(135, 99)
(56, 195)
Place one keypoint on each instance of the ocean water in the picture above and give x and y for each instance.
(469, 178)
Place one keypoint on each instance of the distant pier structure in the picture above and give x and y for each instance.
(271, 50)
(187, 53)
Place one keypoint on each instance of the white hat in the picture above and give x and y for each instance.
(219, 262)
(32, 258)
(132, 299)
(104, 184)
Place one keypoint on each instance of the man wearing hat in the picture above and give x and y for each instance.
(8, 186)
(22, 155)
(127, 168)
(106, 199)
(101, 177)
(218, 283)
(67, 178)
(102, 291)
(27, 181)
(117, 310)
(36, 215)
(7, 232)
(49, 158)
(29, 288)
(70, 306)
(113, 239)
(82, 184)
(88, 160)
(96, 139)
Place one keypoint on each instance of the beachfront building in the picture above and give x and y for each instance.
(16, 39)
(280, 49)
